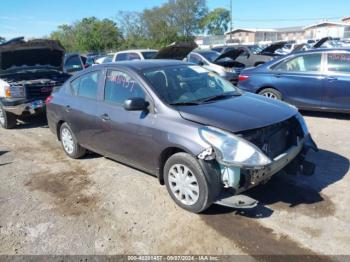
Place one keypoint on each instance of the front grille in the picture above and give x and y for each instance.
(276, 139)
(40, 90)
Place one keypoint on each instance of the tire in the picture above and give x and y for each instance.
(204, 190)
(7, 119)
(271, 93)
(69, 143)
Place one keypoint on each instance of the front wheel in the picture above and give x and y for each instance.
(70, 144)
(188, 185)
(7, 119)
(271, 93)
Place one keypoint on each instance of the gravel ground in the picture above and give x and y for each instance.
(50, 204)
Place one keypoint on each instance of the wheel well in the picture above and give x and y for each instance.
(58, 127)
(264, 87)
(164, 156)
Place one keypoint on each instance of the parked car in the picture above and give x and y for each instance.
(254, 55)
(29, 71)
(189, 127)
(317, 79)
(222, 64)
(73, 62)
(140, 54)
(104, 59)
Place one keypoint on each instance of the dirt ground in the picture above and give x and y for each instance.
(50, 204)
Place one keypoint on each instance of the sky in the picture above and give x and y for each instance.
(36, 18)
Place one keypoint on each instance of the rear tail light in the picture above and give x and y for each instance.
(243, 78)
(48, 100)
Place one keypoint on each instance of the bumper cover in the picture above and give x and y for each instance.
(20, 106)
(254, 177)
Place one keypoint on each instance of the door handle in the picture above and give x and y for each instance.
(278, 75)
(68, 108)
(332, 78)
(105, 117)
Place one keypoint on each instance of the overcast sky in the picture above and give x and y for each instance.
(35, 18)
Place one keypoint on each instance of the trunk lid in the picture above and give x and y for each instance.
(177, 51)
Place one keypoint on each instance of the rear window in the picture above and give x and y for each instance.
(303, 63)
(86, 85)
(149, 54)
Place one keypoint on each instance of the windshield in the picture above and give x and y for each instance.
(149, 54)
(211, 56)
(187, 84)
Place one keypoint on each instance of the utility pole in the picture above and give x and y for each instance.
(231, 20)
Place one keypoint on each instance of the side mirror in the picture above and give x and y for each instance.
(136, 104)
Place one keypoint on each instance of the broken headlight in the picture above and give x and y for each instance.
(232, 150)
(302, 123)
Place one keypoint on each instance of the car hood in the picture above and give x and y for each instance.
(233, 54)
(270, 50)
(177, 51)
(35, 53)
(238, 114)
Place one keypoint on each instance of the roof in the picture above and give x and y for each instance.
(317, 50)
(140, 65)
(250, 30)
(290, 29)
(346, 18)
(325, 24)
(137, 50)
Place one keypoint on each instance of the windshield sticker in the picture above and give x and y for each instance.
(198, 69)
(120, 79)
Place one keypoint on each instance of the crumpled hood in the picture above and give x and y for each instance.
(240, 113)
(34, 53)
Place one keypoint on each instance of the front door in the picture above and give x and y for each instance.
(126, 135)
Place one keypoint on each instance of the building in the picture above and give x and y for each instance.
(316, 31)
(324, 29)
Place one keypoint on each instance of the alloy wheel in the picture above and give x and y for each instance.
(270, 95)
(183, 184)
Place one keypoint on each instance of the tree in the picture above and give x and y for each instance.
(187, 15)
(89, 34)
(2, 39)
(216, 22)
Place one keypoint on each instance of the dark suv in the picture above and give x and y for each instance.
(29, 71)
(200, 135)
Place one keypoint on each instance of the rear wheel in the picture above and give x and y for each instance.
(69, 143)
(188, 185)
(271, 93)
(7, 119)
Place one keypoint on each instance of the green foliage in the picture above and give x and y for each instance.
(216, 22)
(89, 34)
(175, 20)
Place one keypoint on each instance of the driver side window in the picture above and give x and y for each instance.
(120, 87)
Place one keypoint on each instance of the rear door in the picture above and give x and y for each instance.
(300, 79)
(80, 109)
(337, 95)
(127, 136)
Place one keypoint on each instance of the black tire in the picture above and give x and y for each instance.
(209, 187)
(271, 93)
(7, 119)
(77, 151)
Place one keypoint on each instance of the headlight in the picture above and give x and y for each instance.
(15, 91)
(232, 150)
(302, 123)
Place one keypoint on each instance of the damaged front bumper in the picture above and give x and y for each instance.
(22, 106)
(241, 179)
